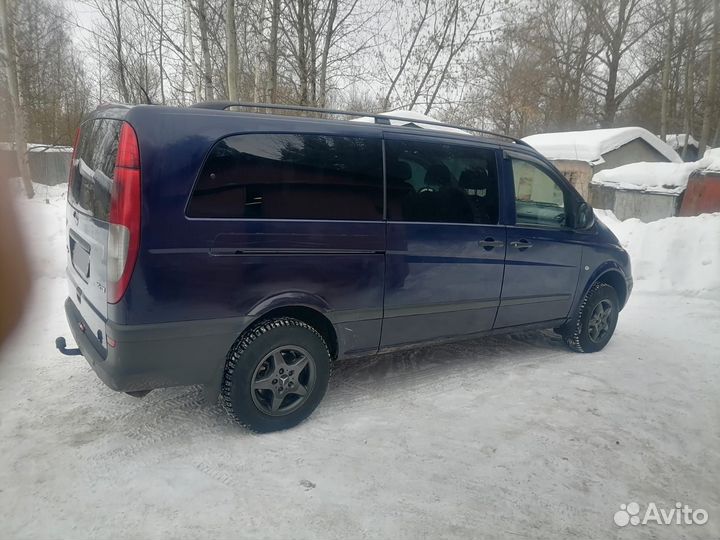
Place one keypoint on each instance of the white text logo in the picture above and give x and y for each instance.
(629, 514)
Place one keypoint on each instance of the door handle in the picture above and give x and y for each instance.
(521, 244)
(490, 243)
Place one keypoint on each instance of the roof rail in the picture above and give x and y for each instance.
(379, 118)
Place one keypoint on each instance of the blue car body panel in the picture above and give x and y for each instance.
(439, 282)
(381, 284)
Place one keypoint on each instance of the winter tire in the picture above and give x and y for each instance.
(276, 374)
(595, 322)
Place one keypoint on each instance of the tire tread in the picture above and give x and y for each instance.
(574, 329)
(238, 349)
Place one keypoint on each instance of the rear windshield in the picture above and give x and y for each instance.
(94, 167)
(291, 176)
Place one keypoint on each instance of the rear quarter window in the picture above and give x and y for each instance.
(291, 176)
(94, 167)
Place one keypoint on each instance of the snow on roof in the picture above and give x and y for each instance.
(677, 140)
(37, 147)
(711, 160)
(591, 145)
(670, 178)
(415, 118)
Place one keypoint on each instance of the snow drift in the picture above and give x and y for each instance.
(672, 255)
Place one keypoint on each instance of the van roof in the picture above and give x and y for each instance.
(385, 119)
(382, 121)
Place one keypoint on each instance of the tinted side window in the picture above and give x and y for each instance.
(291, 176)
(94, 167)
(539, 200)
(439, 182)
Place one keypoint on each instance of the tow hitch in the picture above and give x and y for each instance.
(61, 345)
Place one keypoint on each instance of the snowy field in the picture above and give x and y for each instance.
(508, 437)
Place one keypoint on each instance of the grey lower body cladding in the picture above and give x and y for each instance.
(157, 355)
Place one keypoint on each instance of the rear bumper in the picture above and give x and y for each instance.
(152, 356)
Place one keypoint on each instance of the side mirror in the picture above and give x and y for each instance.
(584, 216)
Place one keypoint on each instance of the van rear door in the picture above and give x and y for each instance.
(88, 210)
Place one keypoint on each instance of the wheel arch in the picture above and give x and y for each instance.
(309, 315)
(617, 281)
(306, 307)
(612, 274)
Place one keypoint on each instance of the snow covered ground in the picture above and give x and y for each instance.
(507, 437)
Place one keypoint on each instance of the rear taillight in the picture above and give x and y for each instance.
(73, 164)
(124, 233)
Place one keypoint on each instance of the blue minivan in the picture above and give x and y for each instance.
(247, 251)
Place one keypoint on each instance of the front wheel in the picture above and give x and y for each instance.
(276, 374)
(593, 326)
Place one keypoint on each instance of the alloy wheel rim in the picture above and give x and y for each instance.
(283, 380)
(600, 321)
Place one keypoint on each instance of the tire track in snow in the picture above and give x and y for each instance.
(356, 383)
(436, 369)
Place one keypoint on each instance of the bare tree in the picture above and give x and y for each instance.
(565, 35)
(423, 56)
(622, 25)
(693, 17)
(127, 51)
(300, 20)
(515, 79)
(202, 16)
(454, 47)
(9, 57)
(257, 86)
(667, 62)
(519, 66)
(160, 52)
(116, 24)
(327, 43)
(232, 50)
(273, 51)
(319, 39)
(196, 85)
(448, 21)
(417, 28)
(711, 95)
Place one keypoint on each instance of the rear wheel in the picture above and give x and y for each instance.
(276, 374)
(595, 322)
